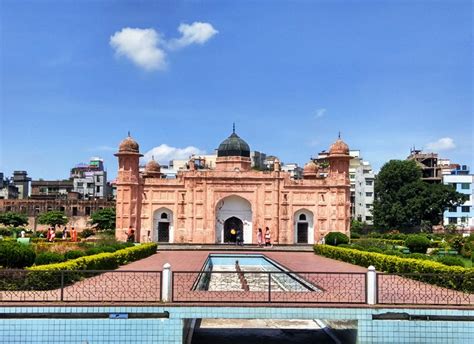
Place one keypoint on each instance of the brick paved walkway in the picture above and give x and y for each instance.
(194, 260)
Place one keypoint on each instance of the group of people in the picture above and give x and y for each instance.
(262, 239)
(267, 237)
(51, 234)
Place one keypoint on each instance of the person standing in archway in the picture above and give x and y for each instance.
(238, 238)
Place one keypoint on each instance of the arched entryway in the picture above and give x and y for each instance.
(233, 211)
(304, 228)
(232, 226)
(163, 226)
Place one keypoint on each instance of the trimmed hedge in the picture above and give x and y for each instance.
(445, 276)
(49, 258)
(383, 241)
(46, 277)
(103, 261)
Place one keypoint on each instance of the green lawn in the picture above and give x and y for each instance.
(467, 262)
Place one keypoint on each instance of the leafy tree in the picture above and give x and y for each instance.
(13, 219)
(403, 200)
(53, 218)
(104, 218)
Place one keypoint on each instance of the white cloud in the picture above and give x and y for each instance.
(141, 46)
(195, 33)
(444, 143)
(164, 153)
(319, 113)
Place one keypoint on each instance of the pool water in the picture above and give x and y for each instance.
(221, 273)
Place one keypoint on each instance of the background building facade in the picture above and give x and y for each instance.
(462, 216)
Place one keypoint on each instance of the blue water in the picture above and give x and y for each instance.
(255, 268)
(254, 260)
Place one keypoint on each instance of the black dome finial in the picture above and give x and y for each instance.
(233, 128)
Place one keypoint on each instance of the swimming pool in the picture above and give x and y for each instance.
(252, 272)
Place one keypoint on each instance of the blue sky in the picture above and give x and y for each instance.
(291, 74)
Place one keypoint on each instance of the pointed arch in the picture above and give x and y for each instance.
(303, 226)
(233, 206)
(163, 226)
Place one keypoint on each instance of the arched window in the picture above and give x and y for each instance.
(302, 217)
(164, 215)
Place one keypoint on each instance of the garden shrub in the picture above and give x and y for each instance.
(453, 277)
(87, 232)
(394, 253)
(345, 245)
(355, 235)
(379, 242)
(48, 258)
(15, 255)
(47, 276)
(93, 250)
(417, 243)
(418, 256)
(450, 261)
(336, 238)
(374, 249)
(73, 254)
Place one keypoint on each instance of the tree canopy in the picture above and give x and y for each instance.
(53, 218)
(104, 218)
(403, 200)
(13, 219)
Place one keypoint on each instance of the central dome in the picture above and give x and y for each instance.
(234, 146)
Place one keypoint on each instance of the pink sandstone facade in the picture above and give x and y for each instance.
(202, 206)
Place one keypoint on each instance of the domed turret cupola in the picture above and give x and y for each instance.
(153, 168)
(129, 145)
(339, 148)
(233, 154)
(310, 170)
(233, 146)
(339, 161)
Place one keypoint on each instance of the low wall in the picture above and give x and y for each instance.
(53, 329)
(78, 222)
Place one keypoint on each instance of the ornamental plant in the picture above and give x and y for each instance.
(15, 255)
(336, 238)
(417, 243)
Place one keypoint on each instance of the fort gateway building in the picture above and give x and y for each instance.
(203, 205)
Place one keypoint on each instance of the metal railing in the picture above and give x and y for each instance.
(236, 287)
(423, 289)
(268, 287)
(80, 286)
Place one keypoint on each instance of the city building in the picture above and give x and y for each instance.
(7, 189)
(462, 216)
(428, 162)
(204, 205)
(90, 180)
(295, 171)
(22, 182)
(362, 179)
(51, 189)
